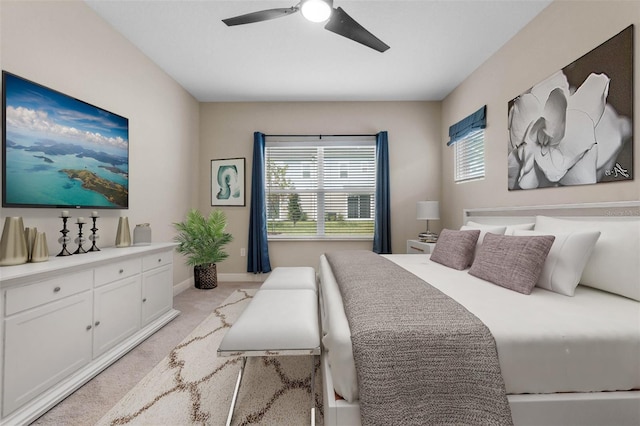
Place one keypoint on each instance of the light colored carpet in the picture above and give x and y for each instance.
(193, 386)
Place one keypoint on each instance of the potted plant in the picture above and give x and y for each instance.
(202, 240)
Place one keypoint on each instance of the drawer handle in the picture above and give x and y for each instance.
(89, 327)
(417, 248)
(57, 289)
(144, 300)
(97, 323)
(121, 271)
(159, 260)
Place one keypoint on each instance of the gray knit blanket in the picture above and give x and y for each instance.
(421, 358)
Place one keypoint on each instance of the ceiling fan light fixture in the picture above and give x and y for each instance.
(316, 10)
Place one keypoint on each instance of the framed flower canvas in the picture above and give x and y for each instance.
(576, 126)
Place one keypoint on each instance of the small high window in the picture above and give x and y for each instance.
(469, 157)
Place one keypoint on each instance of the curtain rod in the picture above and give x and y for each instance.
(318, 136)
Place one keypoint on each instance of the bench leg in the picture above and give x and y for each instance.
(313, 390)
(236, 390)
(239, 381)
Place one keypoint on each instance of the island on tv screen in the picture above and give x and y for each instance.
(59, 151)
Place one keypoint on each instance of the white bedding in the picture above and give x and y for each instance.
(547, 342)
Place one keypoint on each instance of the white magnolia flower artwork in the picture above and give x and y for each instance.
(562, 135)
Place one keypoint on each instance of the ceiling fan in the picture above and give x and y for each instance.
(338, 21)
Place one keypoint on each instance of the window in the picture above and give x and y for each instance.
(469, 156)
(320, 187)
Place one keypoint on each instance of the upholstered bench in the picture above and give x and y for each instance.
(281, 319)
(291, 278)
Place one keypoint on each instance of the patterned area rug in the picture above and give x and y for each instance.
(193, 386)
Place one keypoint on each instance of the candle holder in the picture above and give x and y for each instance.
(94, 237)
(80, 240)
(64, 239)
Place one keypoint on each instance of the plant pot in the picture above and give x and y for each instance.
(205, 276)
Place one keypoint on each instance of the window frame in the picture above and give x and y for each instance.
(320, 212)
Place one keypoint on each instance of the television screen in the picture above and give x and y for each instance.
(58, 151)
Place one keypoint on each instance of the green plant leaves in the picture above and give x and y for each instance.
(202, 239)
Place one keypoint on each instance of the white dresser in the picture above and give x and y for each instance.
(65, 320)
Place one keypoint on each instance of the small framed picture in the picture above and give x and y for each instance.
(227, 182)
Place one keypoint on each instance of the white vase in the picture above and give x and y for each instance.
(13, 245)
(142, 235)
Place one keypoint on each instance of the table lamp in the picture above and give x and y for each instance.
(428, 210)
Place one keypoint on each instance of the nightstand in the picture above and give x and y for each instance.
(418, 247)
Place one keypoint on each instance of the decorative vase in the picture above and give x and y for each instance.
(142, 235)
(123, 235)
(30, 235)
(40, 251)
(205, 276)
(13, 245)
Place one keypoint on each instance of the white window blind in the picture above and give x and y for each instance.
(469, 157)
(320, 187)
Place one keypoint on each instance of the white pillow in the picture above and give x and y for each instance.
(566, 260)
(494, 229)
(509, 228)
(614, 265)
(519, 227)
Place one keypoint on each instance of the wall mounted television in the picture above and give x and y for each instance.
(58, 151)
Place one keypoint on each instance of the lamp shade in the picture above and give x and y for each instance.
(428, 210)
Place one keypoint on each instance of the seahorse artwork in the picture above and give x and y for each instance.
(228, 182)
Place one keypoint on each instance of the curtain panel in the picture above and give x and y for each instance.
(477, 120)
(258, 248)
(382, 225)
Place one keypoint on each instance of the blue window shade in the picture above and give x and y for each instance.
(476, 121)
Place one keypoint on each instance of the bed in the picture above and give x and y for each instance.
(565, 359)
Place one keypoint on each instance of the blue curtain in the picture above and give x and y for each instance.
(258, 256)
(382, 226)
(477, 120)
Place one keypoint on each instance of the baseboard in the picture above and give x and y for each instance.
(184, 285)
(222, 278)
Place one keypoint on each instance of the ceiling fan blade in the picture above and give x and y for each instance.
(343, 24)
(263, 15)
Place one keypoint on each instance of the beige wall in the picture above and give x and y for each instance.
(226, 131)
(562, 33)
(67, 47)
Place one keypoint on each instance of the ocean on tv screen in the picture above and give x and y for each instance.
(40, 175)
(60, 151)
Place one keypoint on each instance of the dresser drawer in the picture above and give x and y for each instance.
(113, 272)
(158, 259)
(32, 295)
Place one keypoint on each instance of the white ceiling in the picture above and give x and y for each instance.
(435, 45)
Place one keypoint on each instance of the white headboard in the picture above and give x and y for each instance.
(614, 264)
(610, 211)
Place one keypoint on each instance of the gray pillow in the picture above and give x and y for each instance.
(455, 249)
(513, 262)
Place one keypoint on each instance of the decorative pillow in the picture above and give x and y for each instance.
(498, 230)
(512, 262)
(508, 231)
(613, 265)
(455, 248)
(566, 260)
